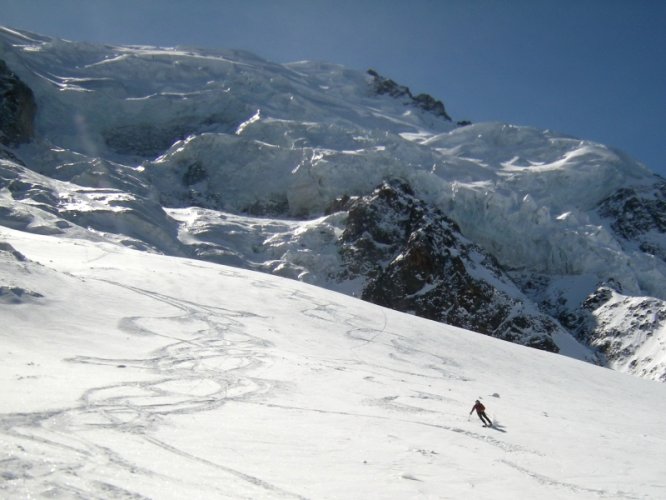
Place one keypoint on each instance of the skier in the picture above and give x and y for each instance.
(481, 412)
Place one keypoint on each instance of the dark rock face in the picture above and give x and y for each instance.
(634, 215)
(386, 86)
(17, 109)
(415, 260)
(597, 299)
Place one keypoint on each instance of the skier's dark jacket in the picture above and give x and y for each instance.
(478, 407)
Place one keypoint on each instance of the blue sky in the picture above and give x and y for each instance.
(595, 69)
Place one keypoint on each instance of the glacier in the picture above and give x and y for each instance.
(223, 156)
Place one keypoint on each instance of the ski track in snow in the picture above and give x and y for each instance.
(567, 486)
(212, 362)
(202, 371)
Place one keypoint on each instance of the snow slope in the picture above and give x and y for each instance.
(134, 375)
(226, 157)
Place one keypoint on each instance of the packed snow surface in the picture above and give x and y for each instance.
(135, 375)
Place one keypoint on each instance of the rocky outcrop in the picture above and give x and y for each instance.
(635, 215)
(415, 260)
(630, 343)
(385, 86)
(17, 108)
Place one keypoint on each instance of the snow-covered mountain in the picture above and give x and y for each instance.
(342, 179)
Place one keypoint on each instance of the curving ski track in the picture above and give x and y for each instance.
(208, 365)
(198, 372)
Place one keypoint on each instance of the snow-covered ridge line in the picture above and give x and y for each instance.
(168, 150)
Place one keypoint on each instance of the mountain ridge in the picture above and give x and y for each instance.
(223, 156)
